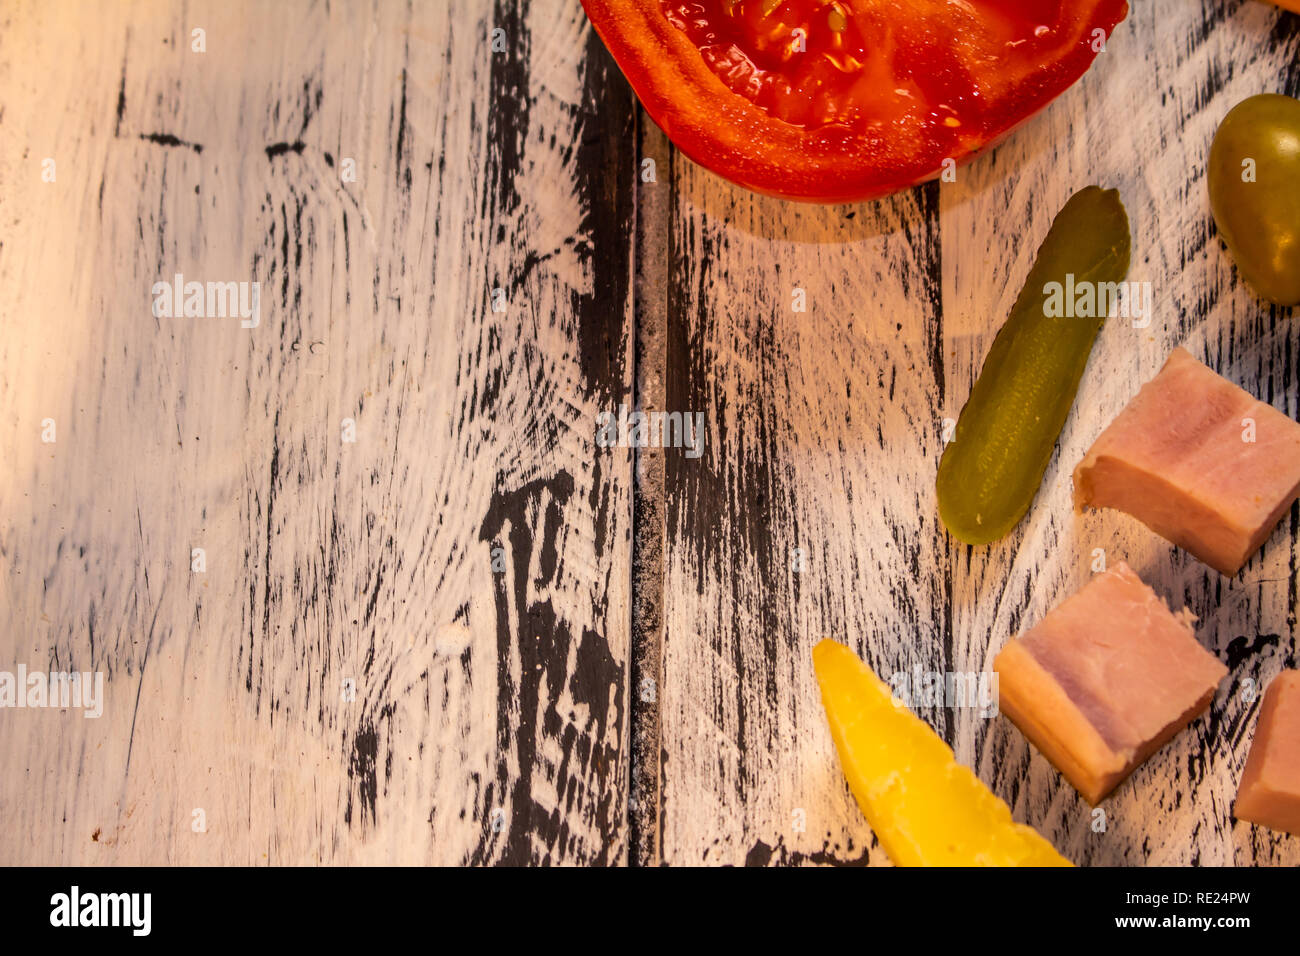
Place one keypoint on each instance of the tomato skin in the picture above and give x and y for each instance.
(1258, 213)
(740, 140)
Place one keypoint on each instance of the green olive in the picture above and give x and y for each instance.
(1254, 179)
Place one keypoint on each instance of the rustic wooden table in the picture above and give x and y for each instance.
(362, 584)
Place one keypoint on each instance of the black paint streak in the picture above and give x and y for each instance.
(167, 139)
(1286, 32)
(763, 854)
(121, 95)
(929, 252)
(279, 149)
(362, 772)
(311, 103)
(403, 171)
(606, 168)
(272, 484)
(543, 648)
(1242, 649)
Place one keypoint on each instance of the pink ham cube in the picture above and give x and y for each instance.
(1198, 461)
(1105, 680)
(1270, 786)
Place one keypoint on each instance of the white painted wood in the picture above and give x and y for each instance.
(475, 692)
(821, 434)
(852, 478)
(1141, 121)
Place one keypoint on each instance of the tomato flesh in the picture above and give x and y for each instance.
(814, 63)
(874, 94)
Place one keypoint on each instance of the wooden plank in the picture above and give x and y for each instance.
(824, 432)
(819, 437)
(1141, 121)
(490, 718)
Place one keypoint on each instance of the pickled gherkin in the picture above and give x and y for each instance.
(1005, 435)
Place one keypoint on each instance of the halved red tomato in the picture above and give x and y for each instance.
(841, 100)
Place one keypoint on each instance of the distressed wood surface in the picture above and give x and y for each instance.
(490, 713)
(810, 512)
(825, 435)
(561, 652)
(1170, 94)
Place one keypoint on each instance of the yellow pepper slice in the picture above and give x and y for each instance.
(925, 808)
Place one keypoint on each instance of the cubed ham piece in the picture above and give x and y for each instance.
(1270, 786)
(1105, 679)
(1198, 461)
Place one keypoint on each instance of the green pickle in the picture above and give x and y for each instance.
(1005, 435)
